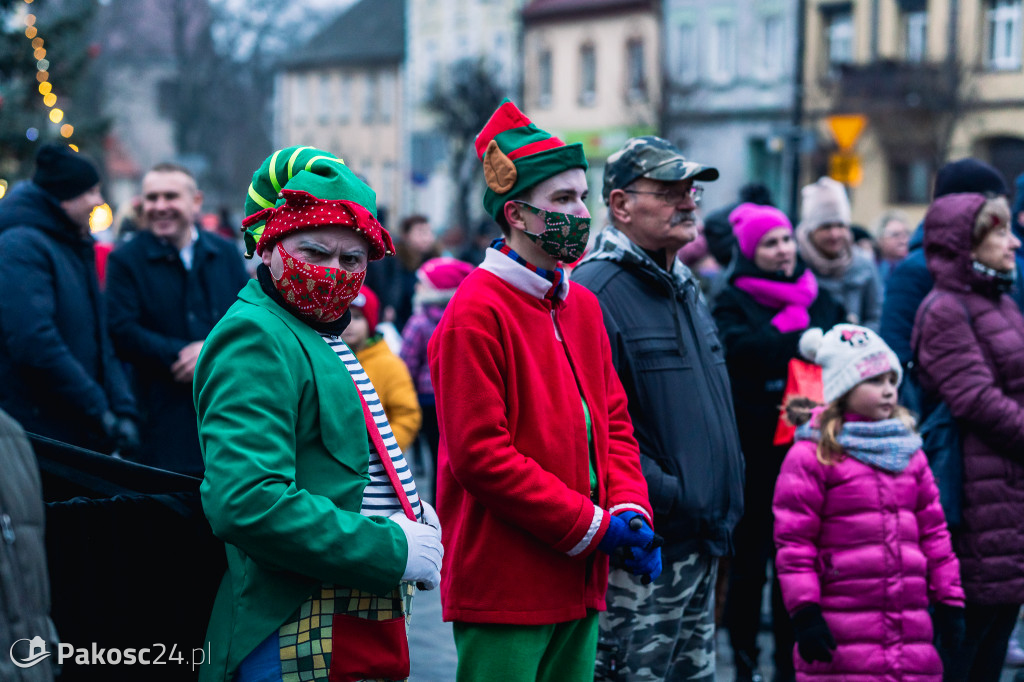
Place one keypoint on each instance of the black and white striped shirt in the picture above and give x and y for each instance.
(379, 498)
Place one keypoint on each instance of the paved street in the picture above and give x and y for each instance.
(432, 649)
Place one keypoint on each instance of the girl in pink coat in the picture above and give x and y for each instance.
(863, 548)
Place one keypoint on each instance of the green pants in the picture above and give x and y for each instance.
(561, 652)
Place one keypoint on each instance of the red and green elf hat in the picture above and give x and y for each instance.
(302, 187)
(518, 155)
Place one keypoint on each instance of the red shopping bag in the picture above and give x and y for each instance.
(804, 390)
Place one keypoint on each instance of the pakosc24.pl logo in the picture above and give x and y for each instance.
(27, 655)
(36, 652)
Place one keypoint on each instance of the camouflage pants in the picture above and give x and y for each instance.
(661, 631)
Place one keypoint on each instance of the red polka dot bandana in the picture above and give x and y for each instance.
(302, 210)
(318, 293)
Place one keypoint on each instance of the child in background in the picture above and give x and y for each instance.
(436, 282)
(863, 548)
(386, 371)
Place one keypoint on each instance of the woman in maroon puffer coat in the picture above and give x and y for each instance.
(970, 340)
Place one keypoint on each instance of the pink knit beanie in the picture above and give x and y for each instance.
(438, 279)
(750, 222)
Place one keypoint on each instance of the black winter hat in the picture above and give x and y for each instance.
(969, 176)
(63, 172)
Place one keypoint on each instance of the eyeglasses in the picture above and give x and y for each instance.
(674, 196)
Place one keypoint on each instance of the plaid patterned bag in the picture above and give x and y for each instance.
(347, 635)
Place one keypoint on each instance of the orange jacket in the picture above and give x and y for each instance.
(394, 387)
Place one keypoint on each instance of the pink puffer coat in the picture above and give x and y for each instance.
(873, 550)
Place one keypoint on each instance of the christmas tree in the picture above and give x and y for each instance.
(47, 92)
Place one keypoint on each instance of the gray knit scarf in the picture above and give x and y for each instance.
(887, 444)
(822, 265)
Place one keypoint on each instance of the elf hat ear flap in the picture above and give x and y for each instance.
(499, 170)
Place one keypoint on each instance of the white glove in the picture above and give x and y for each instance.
(425, 551)
(430, 516)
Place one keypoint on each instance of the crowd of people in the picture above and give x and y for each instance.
(595, 416)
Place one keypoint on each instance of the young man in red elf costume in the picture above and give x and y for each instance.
(539, 475)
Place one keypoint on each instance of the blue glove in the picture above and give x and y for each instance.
(645, 563)
(623, 531)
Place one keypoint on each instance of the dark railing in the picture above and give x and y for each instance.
(889, 87)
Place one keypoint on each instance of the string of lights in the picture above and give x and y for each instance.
(56, 114)
(101, 216)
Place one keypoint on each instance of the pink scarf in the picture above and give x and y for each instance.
(791, 299)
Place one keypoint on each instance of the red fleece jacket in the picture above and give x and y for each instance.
(520, 528)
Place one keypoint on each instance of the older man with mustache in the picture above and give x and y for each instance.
(668, 356)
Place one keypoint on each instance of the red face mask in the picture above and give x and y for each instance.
(318, 293)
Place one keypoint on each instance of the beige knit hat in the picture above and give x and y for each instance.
(848, 354)
(824, 201)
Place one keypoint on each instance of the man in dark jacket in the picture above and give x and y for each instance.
(671, 363)
(911, 281)
(58, 374)
(166, 289)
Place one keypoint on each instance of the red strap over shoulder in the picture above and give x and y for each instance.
(385, 459)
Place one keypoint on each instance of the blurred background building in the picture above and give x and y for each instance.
(592, 74)
(935, 80)
(399, 88)
(343, 92)
(730, 83)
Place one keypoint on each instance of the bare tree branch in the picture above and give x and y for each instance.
(463, 98)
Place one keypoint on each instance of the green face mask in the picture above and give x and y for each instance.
(565, 235)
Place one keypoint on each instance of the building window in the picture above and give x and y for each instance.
(300, 98)
(167, 97)
(388, 185)
(323, 97)
(839, 33)
(723, 50)
(636, 86)
(544, 78)
(588, 75)
(915, 35)
(687, 65)
(910, 181)
(427, 69)
(1003, 34)
(773, 50)
(764, 162)
(370, 99)
(387, 97)
(344, 109)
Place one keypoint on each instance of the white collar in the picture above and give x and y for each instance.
(520, 276)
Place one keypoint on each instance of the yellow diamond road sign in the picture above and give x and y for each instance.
(846, 128)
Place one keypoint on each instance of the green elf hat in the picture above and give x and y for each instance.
(518, 155)
(302, 187)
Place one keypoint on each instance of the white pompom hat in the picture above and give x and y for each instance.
(848, 354)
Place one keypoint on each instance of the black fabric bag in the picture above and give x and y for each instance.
(941, 443)
(940, 434)
(132, 561)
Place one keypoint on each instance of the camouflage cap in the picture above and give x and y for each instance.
(650, 157)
